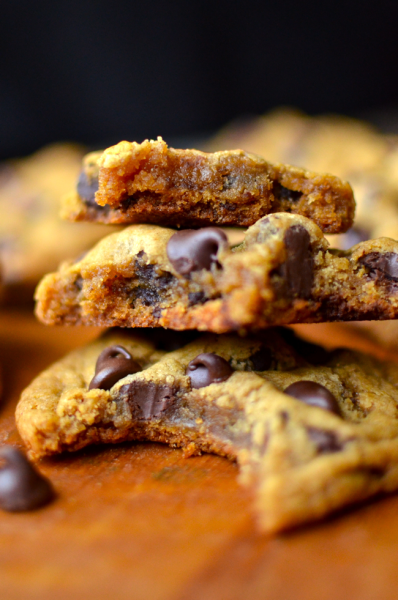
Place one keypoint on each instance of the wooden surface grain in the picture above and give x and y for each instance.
(139, 521)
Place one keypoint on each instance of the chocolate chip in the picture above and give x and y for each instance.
(79, 283)
(381, 266)
(229, 181)
(325, 441)
(86, 188)
(208, 368)
(21, 486)
(282, 193)
(196, 298)
(157, 313)
(313, 394)
(297, 272)
(192, 250)
(113, 364)
(147, 295)
(262, 359)
(354, 236)
(147, 399)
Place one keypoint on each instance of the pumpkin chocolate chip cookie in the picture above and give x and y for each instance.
(152, 183)
(312, 431)
(283, 272)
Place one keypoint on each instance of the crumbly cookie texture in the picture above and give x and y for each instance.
(303, 455)
(351, 149)
(283, 272)
(152, 183)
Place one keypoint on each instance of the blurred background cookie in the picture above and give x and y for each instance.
(352, 149)
(33, 238)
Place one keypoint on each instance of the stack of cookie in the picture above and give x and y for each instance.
(312, 431)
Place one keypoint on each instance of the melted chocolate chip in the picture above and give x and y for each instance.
(152, 283)
(313, 394)
(381, 266)
(79, 283)
(354, 236)
(325, 441)
(21, 486)
(229, 181)
(297, 272)
(192, 250)
(147, 399)
(113, 364)
(196, 298)
(147, 295)
(262, 359)
(208, 368)
(86, 188)
(283, 193)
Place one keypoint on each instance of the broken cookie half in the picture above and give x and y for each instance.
(311, 431)
(283, 272)
(152, 183)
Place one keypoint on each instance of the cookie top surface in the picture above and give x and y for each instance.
(283, 272)
(311, 430)
(152, 183)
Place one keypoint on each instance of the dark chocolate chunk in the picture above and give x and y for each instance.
(113, 364)
(79, 283)
(313, 394)
(21, 486)
(297, 272)
(208, 368)
(86, 188)
(147, 295)
(282, 193)
(325, 441)
(262, 359)
(229, 181)
(381, 266)
(192, 250)
(152, 282)
(354, 236)
(147, 399)
(196, 298)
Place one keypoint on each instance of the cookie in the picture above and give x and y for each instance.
(151, 183)
(33, 238)
(351, 149)
(312, 431)
(283, 272)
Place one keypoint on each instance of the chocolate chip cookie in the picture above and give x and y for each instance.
(351, 149)
(312, 431)
(151, 183)
(283, 272)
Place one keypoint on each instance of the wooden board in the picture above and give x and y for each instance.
(139, 521)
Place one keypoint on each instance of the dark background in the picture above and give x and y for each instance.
(101, 71)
